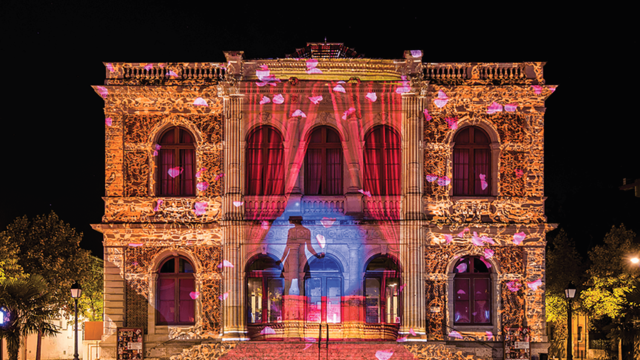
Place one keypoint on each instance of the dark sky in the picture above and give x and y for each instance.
(53, 122)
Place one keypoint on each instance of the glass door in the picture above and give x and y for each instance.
(324, 294)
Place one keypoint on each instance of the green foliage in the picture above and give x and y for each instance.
(9, 267)
(563, 265)
(92, 301)
(27, 301)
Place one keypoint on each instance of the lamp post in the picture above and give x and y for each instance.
(76, 291)
(570, 293)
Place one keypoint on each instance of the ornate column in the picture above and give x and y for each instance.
(232, 157)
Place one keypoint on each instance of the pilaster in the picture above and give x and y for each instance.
(232, 158)
(233, 314)
(412, 261)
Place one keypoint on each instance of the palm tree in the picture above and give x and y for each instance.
(27, 302)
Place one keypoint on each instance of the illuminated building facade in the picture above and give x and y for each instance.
(372, 199)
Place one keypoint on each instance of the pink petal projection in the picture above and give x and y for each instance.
(518, 237)
(426, 115)
(299, 113)
(444, 181)
(173, 172)
(306, 346)
(486, 263)
(494, 108)
(342, 82)
(314, 71)
(224, 296)
(488, 253)
(534, 285)
(172, 74)
(194, 294)
(412, 332)
(135, 244)
(519, 173)
(108, 121)
(199, 173)
(110, 67)
(339, 88)
(321, 241)
(327, 222)
(477, 241)
(148, 67)
(200, 102)
(483, 182)
(202, 186)
(161, 66)
(441, 100)
(489, 335)
(102, 91)
(372, 97)
(461, 292)
(265, 100)
(402, 287)
(403, 89)
(432, 177)
(135, 263)
(238, 203)
(218, 177)
(225, 263)
(462, 267)
(511, 107)
(315, 99)
(157, 147)
(158, 204)
(155, 152)
(448, 238)
(264, 225)
(455, 334)
(278, 99)
(267, 331)
(263, 72)
(461, 233)
(200, 208)
(311, 63)
(552, 88)
(310, 339)
(416, 53)
(402, 339)
(513, 286)
(365, 193)
(384, 354)
(347, 113)
(452, 122)
(537, 89)
(486, 239)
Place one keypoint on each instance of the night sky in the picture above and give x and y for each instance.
(53, 122)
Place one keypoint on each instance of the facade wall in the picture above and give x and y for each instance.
(422, 227)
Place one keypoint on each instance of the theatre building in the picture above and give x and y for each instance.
(379, 207)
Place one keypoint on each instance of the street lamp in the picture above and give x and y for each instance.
(76, 291)
(635, 260)
(569, 293)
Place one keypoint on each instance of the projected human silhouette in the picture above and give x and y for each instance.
(298, 239)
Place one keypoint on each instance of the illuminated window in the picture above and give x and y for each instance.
(471, 162)
(382, 290)
(323, 163)
(472, 292)
(265, 162)
(175, 303)
(323, 289)
(176, 163)
(265, 290)
(382, 161)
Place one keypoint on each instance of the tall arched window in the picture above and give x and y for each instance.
(265, 162)
(472, 292)
(265, 290)
(382, 290)
(323, 162)
(472, 162)
(176, 163)
(175, 295)
(382, 161)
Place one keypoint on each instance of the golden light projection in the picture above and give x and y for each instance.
(306, 199)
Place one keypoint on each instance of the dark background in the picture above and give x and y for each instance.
(53, 123)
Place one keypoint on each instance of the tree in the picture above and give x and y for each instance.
(49, 247)
(27, 302)
(92, 301)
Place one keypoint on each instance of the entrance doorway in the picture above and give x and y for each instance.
(323, 288)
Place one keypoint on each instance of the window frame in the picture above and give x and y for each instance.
(265, 148)
(471, 277)
(323, 146)
(472, 147)
(265, 275)
(176, 147)
(383, 153)
(177, 276)
(383, 276)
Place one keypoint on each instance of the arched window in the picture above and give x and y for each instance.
(471, 162)
(176, 163)
(323, 289)
(323, 162)
(265, 162)
(382, 290)
(382, 161)
(265, 290)
(472, 292)
(175, 299)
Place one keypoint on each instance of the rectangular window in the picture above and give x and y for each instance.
(462, 306)
(372, 292)
(334, 297)
(166, 301)
(255, 300)
(274, 300)
(187, 304)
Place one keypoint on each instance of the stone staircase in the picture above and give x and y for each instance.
(337, 350)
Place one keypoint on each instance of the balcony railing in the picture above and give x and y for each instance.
(382, 207)
(162, 73)
(323, 204)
